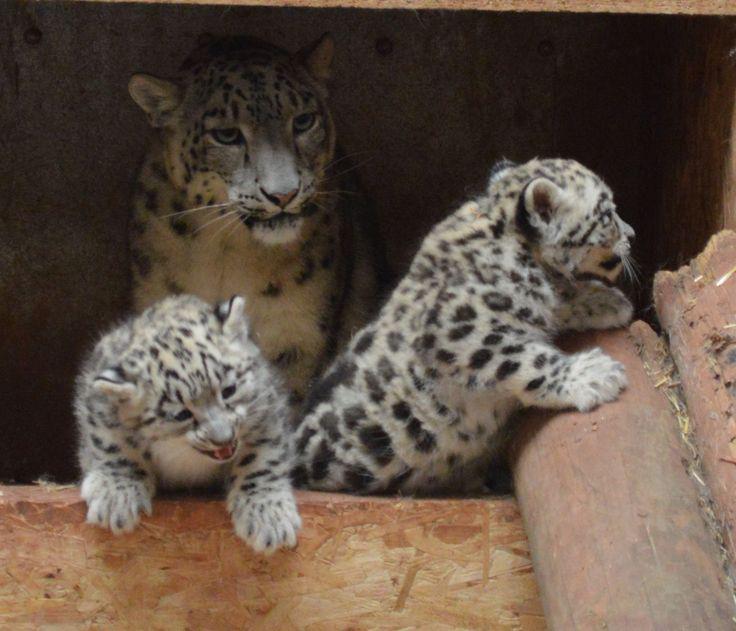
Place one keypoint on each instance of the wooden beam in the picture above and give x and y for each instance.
(697, 308)
(614, 523)
(360, 563)
(690, 7)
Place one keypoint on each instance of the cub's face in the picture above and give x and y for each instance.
(247, 127)
(188, 372)
(568, 212)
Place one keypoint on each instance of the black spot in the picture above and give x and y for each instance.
(540, 360)
(401, 410)
(464, 313)
(306, 272)
(397, 482)
(357, 477)
(342, 373)
(496, 301)
(445, 356)
(375, 390)
(480, 358)
(512, 349)
(460, 332)
(423, 439)
(386, 369)
(507, 368)
(378, 443)
(321, 462)
(425, 342)
(353, 415)
(328, 422)
(178, 226)
(247, 460)
(304, 439)
(491, 339)
(364, 342)
(535, 383)
(395, 340)
(299, 476)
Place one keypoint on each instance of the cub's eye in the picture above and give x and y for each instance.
(304, 122)
(228, 392)
(184, 415)
(229, 136)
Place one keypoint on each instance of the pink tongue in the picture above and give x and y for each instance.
(223, 453)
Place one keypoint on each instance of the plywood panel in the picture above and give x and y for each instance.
(425, 102)
(361, 563)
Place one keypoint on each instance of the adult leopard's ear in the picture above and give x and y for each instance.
(156, 97)
(231, 314)
(317, 57)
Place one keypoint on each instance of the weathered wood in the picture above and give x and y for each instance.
(691, 7)
(697, 308)
(361, 563)
(613, 520)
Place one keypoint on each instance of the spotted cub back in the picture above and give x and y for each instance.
(241, 193)
(419, 399)
(180, 397)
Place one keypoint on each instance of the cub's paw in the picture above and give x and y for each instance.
(266, 522)
(595, 378)
(607, 307)
(115, 503)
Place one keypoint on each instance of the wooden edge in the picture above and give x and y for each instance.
(687, 7)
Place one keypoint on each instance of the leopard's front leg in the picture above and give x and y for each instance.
(592, 305)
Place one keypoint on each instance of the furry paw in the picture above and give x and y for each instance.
(115, 503)
(266, 522)
(597, 306)
(595, 378)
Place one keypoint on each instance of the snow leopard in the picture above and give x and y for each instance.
(181, 397)
(419, 400)
(244, 191)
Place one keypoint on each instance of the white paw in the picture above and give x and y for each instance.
(266, 522)
(115, 503)
(599, 307)
(595, 378)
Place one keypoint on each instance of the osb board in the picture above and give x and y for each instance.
(422, 122)
(702, 7)
(361, 563)
(697, 308)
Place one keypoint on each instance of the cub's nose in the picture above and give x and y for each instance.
(279, 199)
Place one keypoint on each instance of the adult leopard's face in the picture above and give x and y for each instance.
(247, 125)
(569, 215)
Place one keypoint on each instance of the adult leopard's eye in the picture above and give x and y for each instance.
(304, 122)
(229, 136)
(228, 392)
(184, 415)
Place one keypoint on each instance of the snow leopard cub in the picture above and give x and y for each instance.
(180, 397)
(418, 400)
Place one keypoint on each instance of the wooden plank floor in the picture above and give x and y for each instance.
(361, 563)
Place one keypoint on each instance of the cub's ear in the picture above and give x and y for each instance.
(231, 314)
(156, 97)
(317, 57)
(542, 199)
(113, 383)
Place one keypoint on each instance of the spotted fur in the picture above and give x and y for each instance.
(241, 193)
(181, 397)
(419, 399)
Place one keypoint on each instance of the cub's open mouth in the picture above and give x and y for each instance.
(221, 453)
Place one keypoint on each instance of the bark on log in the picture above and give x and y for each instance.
(697, 308)
(617, 537)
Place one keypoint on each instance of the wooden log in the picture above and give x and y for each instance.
(361, 563)
(697, 308)
(616, 534)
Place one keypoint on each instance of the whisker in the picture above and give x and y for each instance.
(346, 157)
(348, 170)
(228, 224)
(194, 210)
(214, 221)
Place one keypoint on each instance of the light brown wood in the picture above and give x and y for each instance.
(691, 7)
(361, 563)
(697, 308)
(614, 524)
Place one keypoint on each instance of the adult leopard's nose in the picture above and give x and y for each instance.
(279, 199)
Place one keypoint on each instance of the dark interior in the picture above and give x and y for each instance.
(425, 102)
